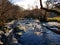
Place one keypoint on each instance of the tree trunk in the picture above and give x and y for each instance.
(43, 16)
(41, 4)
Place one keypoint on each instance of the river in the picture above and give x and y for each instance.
(35, 34)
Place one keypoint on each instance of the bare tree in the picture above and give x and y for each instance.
(48, 10)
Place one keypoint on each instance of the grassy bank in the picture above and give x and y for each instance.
(55, 19)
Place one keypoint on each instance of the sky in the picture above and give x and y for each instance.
(28, 4)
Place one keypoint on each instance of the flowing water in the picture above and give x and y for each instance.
(35, 34)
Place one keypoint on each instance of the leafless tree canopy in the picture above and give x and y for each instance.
(8, 11)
